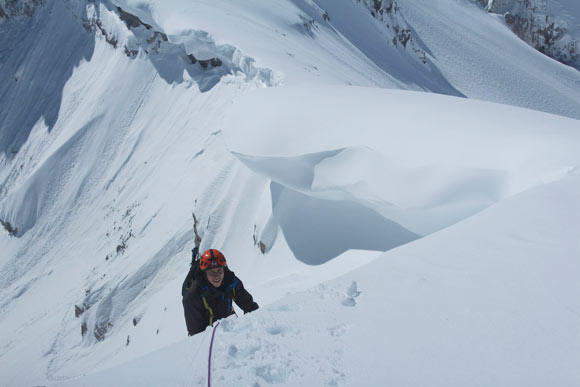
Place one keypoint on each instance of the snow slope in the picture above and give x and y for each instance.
(112, 136)
(487, 301)
(485, 60)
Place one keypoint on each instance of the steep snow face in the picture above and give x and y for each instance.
(550, 26)
(35, 101)
(94, 138)
(113, 133)
(34, 105)
(494, 295)
(389, 14)
(33, 98)
(483, 59)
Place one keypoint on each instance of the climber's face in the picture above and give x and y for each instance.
(215, 276)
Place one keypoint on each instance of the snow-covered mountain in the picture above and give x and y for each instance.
(550, 26)
(394, 181)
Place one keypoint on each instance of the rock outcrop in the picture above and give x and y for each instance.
(13, 8)
(533, 23)
(388, 12)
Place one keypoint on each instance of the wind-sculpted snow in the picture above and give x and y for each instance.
(343, 185)
(318, 230)
(412, 169)
(59, 35)
(34, 103)
(193, 51)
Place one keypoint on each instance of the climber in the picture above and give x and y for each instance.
(209, 290)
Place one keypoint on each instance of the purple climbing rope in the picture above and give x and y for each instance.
(209, 358)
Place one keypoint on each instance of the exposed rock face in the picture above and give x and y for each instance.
(531, 21)
(103, 18)
(12, 8)
(500, 6)
(388, 12)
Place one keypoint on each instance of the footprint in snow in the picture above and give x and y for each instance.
(337, 331)
(284, 308)
(271, 374)
(351, 293)
(277, 330)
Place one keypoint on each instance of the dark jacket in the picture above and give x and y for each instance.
(203, 304)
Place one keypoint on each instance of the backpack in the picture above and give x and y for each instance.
(194, 268)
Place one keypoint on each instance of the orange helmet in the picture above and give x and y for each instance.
(212, 258)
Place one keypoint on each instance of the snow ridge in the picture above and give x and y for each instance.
(22, 205)
(194, 52)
